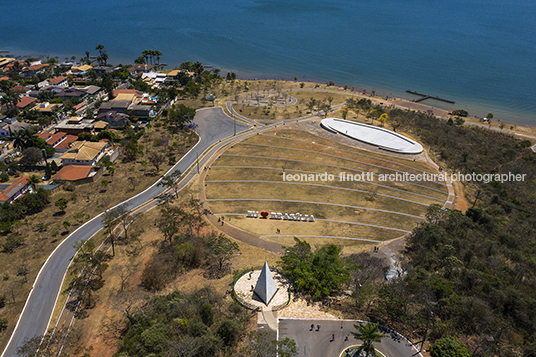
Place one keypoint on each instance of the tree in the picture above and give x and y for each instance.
(171, 181)
(62, 204)
(66, 225)
(105, 184)
(449, 347)
(33, 181)
(109, 222)
(222, 249)
(318, 273)
(265, 344)
(156, 158)
(107, 83)
(344, 111)
(368, 334)
(228, 332)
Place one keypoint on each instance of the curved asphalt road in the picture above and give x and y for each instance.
(214, 126)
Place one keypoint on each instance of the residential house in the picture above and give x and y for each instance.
(84, 153)
(59, 140)
(46, 107)
(154, 79)
(75, 125)
(12, 125)
(78, 174)
(142, 110)
(10, 67)
(71, 93)
(113, 118)
(16, 190)
(100, 125)
(32, 70)
(25, 102)
(80, 70)
(100, 70)
(4, 61)
(92, 91)
(58, 81)
(135, 93)
(117, 105)
(22, 90)
(140, 68)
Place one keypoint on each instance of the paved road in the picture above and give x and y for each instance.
(320, 344)
(214, 126)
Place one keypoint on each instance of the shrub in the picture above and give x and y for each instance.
(11, 243)
(449, 347)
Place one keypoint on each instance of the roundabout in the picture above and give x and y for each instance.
(351, 351)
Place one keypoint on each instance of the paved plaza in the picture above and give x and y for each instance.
(245, 285)
(330, 339)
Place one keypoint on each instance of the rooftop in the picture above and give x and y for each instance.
(74, 172)
(83, 151)
(56, 80)
(13, 188)
(382, 138)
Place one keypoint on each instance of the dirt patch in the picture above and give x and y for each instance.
(461, 202)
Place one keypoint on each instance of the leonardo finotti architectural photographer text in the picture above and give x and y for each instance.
(404, 177)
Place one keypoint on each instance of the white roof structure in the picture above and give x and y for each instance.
(380, 137)
(265, 288)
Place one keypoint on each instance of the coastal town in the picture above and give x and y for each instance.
(149, 211)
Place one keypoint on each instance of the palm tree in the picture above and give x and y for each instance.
(368, 333)
(33, 181)
(100, 48)
(21, 138)
(13, 98)
(145, 54)
(104, 57)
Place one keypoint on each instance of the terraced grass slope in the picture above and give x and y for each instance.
(255, 175)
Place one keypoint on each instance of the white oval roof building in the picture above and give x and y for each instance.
(382, 138)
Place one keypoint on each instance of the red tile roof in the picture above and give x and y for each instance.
(44, 136)
(74, 172)
(25, 101)
(20, 89)
(14, 188)
(36, 67)
(56, 80)
(68, 140)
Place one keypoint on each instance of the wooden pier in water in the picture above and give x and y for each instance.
(426, 96)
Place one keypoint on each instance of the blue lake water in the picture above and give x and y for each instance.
(480, 53)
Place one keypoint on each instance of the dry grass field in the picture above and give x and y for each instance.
(249, 176)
